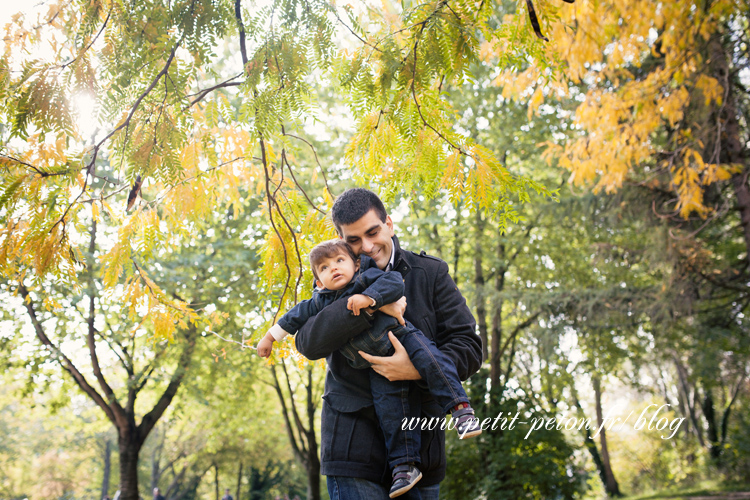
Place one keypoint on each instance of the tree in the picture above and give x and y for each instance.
(168, 128)
(90, 216)
(300, 425)
(662, 100)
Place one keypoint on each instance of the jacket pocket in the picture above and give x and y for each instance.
(426, 327)
(346, 437)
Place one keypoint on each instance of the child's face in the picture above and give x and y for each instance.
(334, 273)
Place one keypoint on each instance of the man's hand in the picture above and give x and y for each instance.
(395, 367)
(397, 310)
(265, 346)
(357, 302)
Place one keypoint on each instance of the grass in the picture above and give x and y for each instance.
(705, 488)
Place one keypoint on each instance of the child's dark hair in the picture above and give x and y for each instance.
(353, 204)
(328, 249)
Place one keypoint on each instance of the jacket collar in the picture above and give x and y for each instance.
(399, 263)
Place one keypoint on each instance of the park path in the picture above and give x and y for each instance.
(737, 495)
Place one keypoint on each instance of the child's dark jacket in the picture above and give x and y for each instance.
(383, 287)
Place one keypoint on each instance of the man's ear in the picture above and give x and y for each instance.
(319, 284)
(389, 223)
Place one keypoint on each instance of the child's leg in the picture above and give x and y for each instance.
(437, 369)
(394, 404)
(441, 377)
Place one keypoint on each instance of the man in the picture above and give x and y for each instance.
(353, 453)
(227, 496)
(157, 495)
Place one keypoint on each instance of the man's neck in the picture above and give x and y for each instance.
(392, 263)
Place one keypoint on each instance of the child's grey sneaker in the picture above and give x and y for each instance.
(405, 476)
(467, 425)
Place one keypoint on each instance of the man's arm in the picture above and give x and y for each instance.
(328, 330)
(455, 335)
(456, 327)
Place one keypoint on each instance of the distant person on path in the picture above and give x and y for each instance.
(227, 496)
(158, 495)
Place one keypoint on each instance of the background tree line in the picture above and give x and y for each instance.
(589, 194)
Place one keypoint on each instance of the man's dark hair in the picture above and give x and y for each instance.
(353, 204)
(328, 249)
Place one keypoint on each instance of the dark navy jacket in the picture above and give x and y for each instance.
(352, 444)
(383, 287)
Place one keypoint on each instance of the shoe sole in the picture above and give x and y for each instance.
(470, 434)
(406, 488)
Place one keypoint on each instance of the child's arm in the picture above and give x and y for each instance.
(382, 287)
(265, 346)
(299, 314)
(288, 324)
(359, 301)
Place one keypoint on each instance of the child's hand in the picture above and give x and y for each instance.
(265, 346)
(357, 302)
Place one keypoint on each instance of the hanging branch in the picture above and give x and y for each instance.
(285, 161)
(317, 160)
(104, 25)
(124, 124)
(414, 78)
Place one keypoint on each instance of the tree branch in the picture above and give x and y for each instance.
(104, 25)
(62, 358)
(203, 93)
(149, 420)
(288, 424)
(90, 337)
(125, 123)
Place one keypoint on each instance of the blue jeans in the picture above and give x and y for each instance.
(352, 488)
(396, 401)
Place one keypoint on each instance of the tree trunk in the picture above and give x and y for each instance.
(216, 480)
(685, 386)
(457, 242)
(130, 437)
(129, 447)
(313, 462)
(479, 285)
(313, 477)
(156, 462)
(610, 483)
(239, 482)
(497, 318)
(590, 443)
(303, 440)
(107, 468)
(729, 136)
(712, 432)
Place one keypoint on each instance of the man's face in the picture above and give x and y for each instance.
(371, 237)
(334, 273)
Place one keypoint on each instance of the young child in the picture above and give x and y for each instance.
(340, 274)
